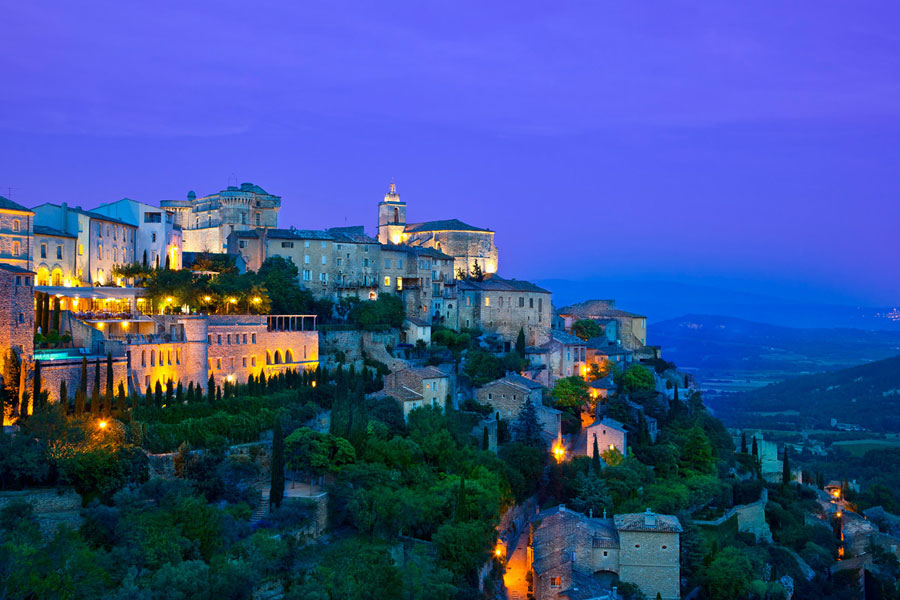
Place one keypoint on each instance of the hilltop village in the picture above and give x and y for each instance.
(200, 402)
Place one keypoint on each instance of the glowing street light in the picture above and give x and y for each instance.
(257, 300)
(207, 298)
(559, 450)
(233, 300)
(102, 424)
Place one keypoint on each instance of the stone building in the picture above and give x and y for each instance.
(465, 243)
(416, 387)
(610, 435)
(16, 225)
(54, 261)
(158, 241)
(631, 328)
(572, 555)
(508, 395)
(563, 355)
(424, 279)
(602, 353)
(207, 222)
(333, 263)
(504, 306)
(102, 241)
(16, 317)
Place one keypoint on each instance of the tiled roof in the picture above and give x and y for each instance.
(417, 250)
(443, 225)
(336, 235)
(517, 380)
(404, 394)
(603, 345)
(495, 283)
(611, 423)
(7, 204)
(604, 383)
(15, 269)
(560, 531)
(648, 521)
(567, 338)
(42, 230)
(427, 372)
(418, 322)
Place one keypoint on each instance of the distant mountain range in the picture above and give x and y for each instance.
(716, 346)
(661, 300)
(866, 395)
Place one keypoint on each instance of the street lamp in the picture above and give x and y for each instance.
(102, 424)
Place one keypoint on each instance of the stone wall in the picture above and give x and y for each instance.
(465, 247)
(52, 507)
(650, 559)
(16, 314)
(53, 372)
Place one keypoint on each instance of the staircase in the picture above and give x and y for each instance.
(262, 507)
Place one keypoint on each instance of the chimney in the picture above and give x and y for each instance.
(591, 513)
(649, 519)
(604, 513)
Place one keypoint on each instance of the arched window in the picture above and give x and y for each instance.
(288, 357)
(278, 357)
(396, 216)
(56, 278)
(143, 358)
(153, 358)
(268, 357)
(43, 276)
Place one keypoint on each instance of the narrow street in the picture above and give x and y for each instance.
(516, 568)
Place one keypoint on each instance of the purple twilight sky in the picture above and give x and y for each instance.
(743, 144)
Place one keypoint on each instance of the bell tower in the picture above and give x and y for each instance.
(391, 217)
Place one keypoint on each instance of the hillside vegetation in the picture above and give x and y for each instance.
(867, 395)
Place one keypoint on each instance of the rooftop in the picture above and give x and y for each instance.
(648, 521)
(417, 250)
(611, 423)
(443, 225)
(567, 338)
(495, 283)
(7, 204)
(42, 230)
(517, 380)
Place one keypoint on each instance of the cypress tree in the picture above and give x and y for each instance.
(755, 448)
(276, 491)
(135, 400)
(170, 393)
(743, 442)
(38, 392)
(109, 381)
(63, 394)
(190, 393)
(54, 321)
(595, 460)
(263, 383)
(211, 389)
(82, 385)
(520, 343)
(485, 439)
(45, 315)
(359, 420)
(218, 394)
(38, 311)
(460, 510)
(122, 404)
(786, 467)
(23, 406)
(95, 393)
(148, 396)
(158, 395)
(179, 394)
(251, 386)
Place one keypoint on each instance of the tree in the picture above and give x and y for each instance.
(211, 389)
(95, 393)
(170, 393)
(786, 467)
(728, 574)
(697, 452)
(743, 442)
(485, 439)
(38, 393)
(109, 381)
(276, 491)
(12, 376)
(122, 404)
(591, 494)
(520, 343)
(755, 449)
(587, 329)
(158, 394)
(638, 378)
(63, 394)
(570, 391)
(595, 456)
(477, 273)
(527, 428)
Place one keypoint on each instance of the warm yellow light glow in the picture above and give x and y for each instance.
(125, 324)
(314, 384)
(839, 514)
(170, 299)
(612, 447)
(559, 451)
(395, 239)
(102, 424)
(99, 325)
(498, 551)
(233, 300)
(257, 300)
(206, 298)
(230, 378)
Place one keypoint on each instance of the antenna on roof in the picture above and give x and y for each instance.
(9, 190)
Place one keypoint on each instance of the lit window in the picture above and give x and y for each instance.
(16, 248)
(253, 361)
(487, 300)
(387, 282)
(16, 225)
(555, 582)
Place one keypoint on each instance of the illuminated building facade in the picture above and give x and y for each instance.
(466, 243)
(16, 225)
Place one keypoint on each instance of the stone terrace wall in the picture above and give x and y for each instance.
(53, 372)
(52, 507)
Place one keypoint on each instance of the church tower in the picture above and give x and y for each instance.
(391, 217)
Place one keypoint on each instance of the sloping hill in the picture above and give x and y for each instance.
(716, 343)
(867, 395)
